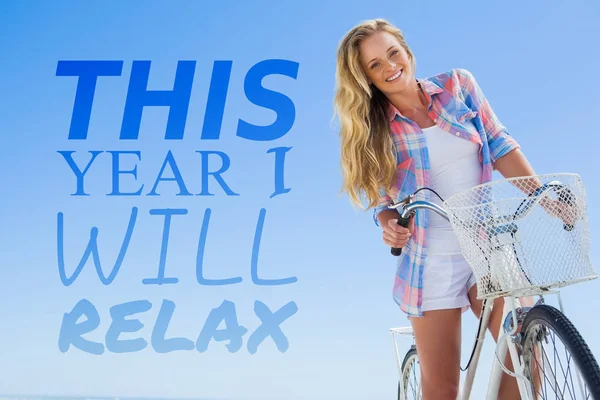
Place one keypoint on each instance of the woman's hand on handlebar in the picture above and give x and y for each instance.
(395, 235)
(564, 209)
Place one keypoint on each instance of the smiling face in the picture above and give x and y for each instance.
(386, 62)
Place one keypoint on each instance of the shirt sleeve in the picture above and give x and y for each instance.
(384, 201)
(499, 140)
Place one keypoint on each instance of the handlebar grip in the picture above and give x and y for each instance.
(567, 197)
(396, 251)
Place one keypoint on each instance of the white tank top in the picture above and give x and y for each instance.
(454, 166)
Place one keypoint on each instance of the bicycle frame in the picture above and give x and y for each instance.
(505, 342)
(512, 315)
(507, 335)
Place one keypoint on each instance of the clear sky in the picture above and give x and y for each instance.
(536, 61)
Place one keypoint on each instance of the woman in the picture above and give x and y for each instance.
(398, 134)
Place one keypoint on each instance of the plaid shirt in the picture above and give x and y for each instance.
(456, 100)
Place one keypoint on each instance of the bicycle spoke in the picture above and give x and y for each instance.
(569, 374)
(416, 386)
(556, 385)
(411, 381)
(546, 368)
(561, 367)
(543, 361)
(546, 379)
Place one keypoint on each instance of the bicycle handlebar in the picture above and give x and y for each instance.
(409, 210)
(410, 207)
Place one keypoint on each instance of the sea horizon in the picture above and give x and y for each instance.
(75, 397)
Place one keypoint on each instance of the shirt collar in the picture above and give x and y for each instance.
(430, 88)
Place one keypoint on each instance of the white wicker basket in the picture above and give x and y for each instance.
(524, 235)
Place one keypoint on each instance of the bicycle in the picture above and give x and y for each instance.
(506, 228)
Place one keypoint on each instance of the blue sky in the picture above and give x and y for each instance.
(536, 63)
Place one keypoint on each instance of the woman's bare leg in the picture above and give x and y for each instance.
(437, 337)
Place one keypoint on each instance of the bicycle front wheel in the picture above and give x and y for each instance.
(409, 387)
(558, 363)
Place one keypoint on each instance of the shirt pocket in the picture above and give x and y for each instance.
(467, 116)
(466, 120)
(460, 111)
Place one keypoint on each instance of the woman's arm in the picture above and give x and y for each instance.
(514, 164)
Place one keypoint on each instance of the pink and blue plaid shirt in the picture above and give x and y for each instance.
(459, 107)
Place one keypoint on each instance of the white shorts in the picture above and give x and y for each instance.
(447, 280)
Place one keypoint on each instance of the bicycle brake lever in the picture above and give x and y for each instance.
(405, 201)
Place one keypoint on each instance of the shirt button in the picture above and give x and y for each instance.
(457, 133)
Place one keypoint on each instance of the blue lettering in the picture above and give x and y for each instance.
(71, 332)
(232, 332)
(270, 326)
(200, 257)
(279, 168)
(159, 343)
(121, 325)
(138, 97)
(169, 159)
(217, 96)
(278, 102)
(92, 248)
(217, 175)
(254, 263)
(79, 175)
(116, 171)
(160, 279)
(88, 73)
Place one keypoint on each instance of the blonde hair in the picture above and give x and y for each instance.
(367, 150)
